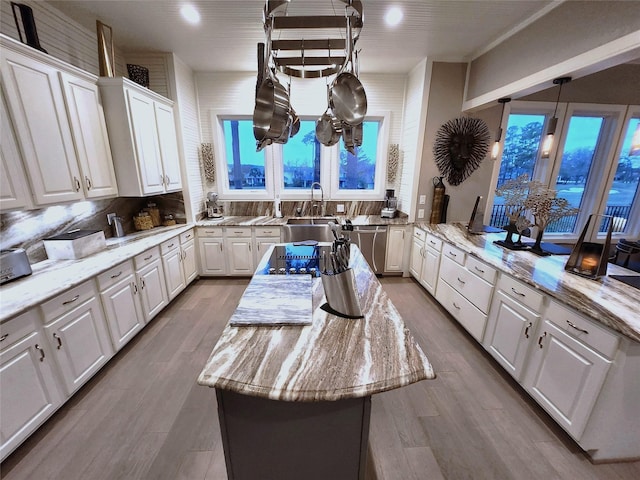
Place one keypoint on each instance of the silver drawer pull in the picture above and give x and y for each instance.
(517, 292)
(4, 337)
(170, 246)
(117, 274)
(452, 254)
(188, 236)
(454, 304)
(433, 243)
(461, 281)
(573, 325)
(267, 233)
(148, 258)
(479, 269)
(67, 302)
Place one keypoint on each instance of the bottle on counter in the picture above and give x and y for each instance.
(154, 213)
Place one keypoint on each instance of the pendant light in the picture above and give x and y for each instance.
(553, 121)
(635, 142)
(496, 146)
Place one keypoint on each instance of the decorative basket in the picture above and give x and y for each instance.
(138, 74)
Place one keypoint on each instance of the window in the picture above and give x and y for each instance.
(579, 165)
(288, 170)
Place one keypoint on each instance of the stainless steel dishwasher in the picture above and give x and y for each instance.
(372, 241)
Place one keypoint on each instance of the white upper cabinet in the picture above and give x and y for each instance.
(14, 187)
(59, 126)
(143, 137)
(90, 135)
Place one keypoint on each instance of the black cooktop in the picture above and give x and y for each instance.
(633, 280)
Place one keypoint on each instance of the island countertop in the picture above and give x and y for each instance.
(607, 301)
(332, 359)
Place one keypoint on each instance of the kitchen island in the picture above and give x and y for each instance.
(294, 401)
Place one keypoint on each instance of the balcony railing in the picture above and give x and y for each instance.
(620, 214)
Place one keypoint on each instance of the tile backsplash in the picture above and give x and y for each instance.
(289, 208)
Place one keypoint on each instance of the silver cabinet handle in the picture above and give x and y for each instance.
(148, 258)
(540, 339)
(478, 269)
(526, 330)
(168, 180)
(573, 325)
(188, 236)
(67, 302)
(39, 348)
(135, 288)
(184, 255)
(220, 246)
(267, 233)
(4, 337)
(457, 307)
(453, 254)
(117, 274)
(162, 179)
(88, 182)
(432, 242)
(57, 337)
(517, 292)
(77, 182)
(461, 281)
(170, 246)
(143, 285)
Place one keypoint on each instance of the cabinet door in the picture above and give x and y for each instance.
(80, 343)
(415, 265)
(565, 377)
(35, 100)
(189, 264)
(173, 272)
(153, 289)
(168, 147)
(395, 250)
(29, 393)
(123, 311)
(429, 272)
(145, 135)
(90, 134)
(510, 330)
(14, 187)
(240, 256)
(262, 246)
(211, 256)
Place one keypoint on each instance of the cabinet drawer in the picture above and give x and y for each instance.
(18, 327)
(267, 232)
(209, 232)
(419, 233)
(145, 258)
(473, 288)
(453, 253)
(481, 269)
(67, 301)
(524, 294)
(170, 245)
(583, 329)
(114, 275)
(186, 236)
(238, 232)
(433, 242)
(472, 319)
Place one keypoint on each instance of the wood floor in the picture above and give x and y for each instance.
(144, 417)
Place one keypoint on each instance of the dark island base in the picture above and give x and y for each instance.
(270, 439)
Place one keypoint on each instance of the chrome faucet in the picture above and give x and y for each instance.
(315, 206)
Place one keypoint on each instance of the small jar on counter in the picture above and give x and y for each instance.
(142, 221)
(168, 220)
(154, 213)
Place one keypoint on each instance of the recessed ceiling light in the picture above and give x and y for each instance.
(190, 14)
(394, 16)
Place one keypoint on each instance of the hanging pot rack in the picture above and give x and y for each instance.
(290, 56)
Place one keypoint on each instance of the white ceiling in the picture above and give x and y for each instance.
(226, 38)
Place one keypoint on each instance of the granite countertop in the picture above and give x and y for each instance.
(246, 221)
(608, 301)
(53, 277)
(333, 358)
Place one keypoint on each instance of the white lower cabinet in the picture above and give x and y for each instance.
(189, 264)
(394, 259)
(211, 251)
(77, 334)
(151, 282)
(430, 264)
(416, 256)
(568, 366)
(265, 237)
(511, 327)
(172, 264)
(238, 247)
(29, 393)
(121, 301)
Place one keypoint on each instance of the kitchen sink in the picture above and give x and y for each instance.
(311, 220)
(307, 228)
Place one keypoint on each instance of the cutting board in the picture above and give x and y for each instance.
(275, 300)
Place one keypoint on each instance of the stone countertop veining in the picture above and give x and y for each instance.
(53, 277)
(608, 301)
(331, 359)
(247, 221)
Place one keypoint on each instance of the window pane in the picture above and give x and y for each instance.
(624, 190)
(301, 158)
(245, 166)
(577, 158)
(357, 172)
(521, 144)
